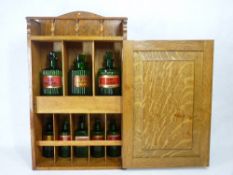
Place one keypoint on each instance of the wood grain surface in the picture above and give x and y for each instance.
(164, 103)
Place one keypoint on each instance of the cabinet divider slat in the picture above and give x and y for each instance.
(105, 136)
(71, 133)
(54, 151)
(64, 69)
(93, 68)
(89, 136)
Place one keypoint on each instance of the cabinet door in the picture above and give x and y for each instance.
(166, 103)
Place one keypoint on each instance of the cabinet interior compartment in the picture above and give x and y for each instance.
(101, 47)
(80, 161)
(39, 61)
(71, 51)
(39, 123)
(72, 161)
(67, 53)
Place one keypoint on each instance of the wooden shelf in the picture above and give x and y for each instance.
(71, 104)
(75, 38)
(80, 143)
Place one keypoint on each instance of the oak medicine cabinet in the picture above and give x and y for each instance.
(163, 111)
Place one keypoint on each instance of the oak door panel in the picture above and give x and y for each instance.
(163, 104)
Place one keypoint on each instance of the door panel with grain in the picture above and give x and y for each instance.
(166, 103)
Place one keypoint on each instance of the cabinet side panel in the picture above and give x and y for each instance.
(207, 99)
(127, 104)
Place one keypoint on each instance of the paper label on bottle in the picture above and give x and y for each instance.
(47, 137)
(109, 81)
(81, 138)
(81, 81)
(97, 137)
(113, 137)
(64, 137)
(52, 81)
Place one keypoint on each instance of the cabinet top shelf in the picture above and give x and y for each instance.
(75, 38)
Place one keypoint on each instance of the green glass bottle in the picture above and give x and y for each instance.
(108, 78)
(97, 134)
(51, 77)
(48, 151)
(80, 77)
(64, 151)
(81, 134)
(113, 134)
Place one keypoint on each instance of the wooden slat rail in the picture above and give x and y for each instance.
(80, 143)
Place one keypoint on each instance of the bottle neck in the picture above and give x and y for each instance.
(108, 60)
(82, 123)
(113, 126)
(49, 127)
(97, 126)
(109, 63)
(80, 62)
(52, 60)
(53, 64)
(65, 126)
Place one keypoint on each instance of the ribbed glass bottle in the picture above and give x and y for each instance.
(113, 134)
(108, 78)
(80, 77)
(48, 151)
(81, 134)
(64, 151)
(97, 134)
(51, 77)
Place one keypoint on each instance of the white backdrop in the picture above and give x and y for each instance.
(147, 19)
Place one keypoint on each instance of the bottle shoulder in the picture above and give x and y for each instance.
(80, 71)
(48, 132)
(81, 133)
(47, 70)
(104, 71)
(113, 132)
(94, 132)
(65, 133)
